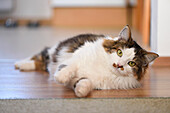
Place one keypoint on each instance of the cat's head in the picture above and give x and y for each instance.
(127, 57)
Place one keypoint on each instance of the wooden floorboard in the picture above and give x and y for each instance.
(23, 85)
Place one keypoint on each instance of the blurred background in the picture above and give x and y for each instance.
(27, 26)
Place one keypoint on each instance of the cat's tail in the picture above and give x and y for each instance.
(36, 62)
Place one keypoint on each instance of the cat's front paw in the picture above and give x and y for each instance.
(83, 88)
(64, 76)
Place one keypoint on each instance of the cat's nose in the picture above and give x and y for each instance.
(119, 66)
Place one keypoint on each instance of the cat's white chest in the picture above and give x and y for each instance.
(92, 63)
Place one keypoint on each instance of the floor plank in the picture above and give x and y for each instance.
(23, 85)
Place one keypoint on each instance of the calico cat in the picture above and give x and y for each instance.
(88, 61)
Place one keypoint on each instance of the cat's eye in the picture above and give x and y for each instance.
(131, 63)
(119, 52)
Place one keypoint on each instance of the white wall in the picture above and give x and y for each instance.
(160, 30)
(91, 3)
(41, 9)
(6, 5)
(154, 20)
(28, 9)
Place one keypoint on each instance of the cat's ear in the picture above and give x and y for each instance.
(150, 56)
(125, 33)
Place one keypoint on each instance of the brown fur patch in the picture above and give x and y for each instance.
(114, 65)
(110, 45)
(41, 60)
(122, 68)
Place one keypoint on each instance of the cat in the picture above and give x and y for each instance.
(89, 61)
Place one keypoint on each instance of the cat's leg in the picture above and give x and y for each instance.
(36, 62)
(82, 86)
(65, 74)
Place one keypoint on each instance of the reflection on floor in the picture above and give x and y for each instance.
(25, 85)
(22, 42)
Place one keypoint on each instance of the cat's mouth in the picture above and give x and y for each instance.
(118, 66)
(119, 70)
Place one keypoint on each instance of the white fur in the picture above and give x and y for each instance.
(83, 88)
(25, 65)
(52, 66)
(52, 50)
(91, 61)
(63, 55)
(110, 38)
(116, 38)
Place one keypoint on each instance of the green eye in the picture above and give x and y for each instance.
(131, 63)
(119, 52)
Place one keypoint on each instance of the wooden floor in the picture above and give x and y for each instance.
(23, 85)
(22, 42)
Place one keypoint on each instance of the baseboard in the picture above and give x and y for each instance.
(162, 61)
(23, 22)
(89, 17)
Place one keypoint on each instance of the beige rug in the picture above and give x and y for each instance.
(113, 105)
